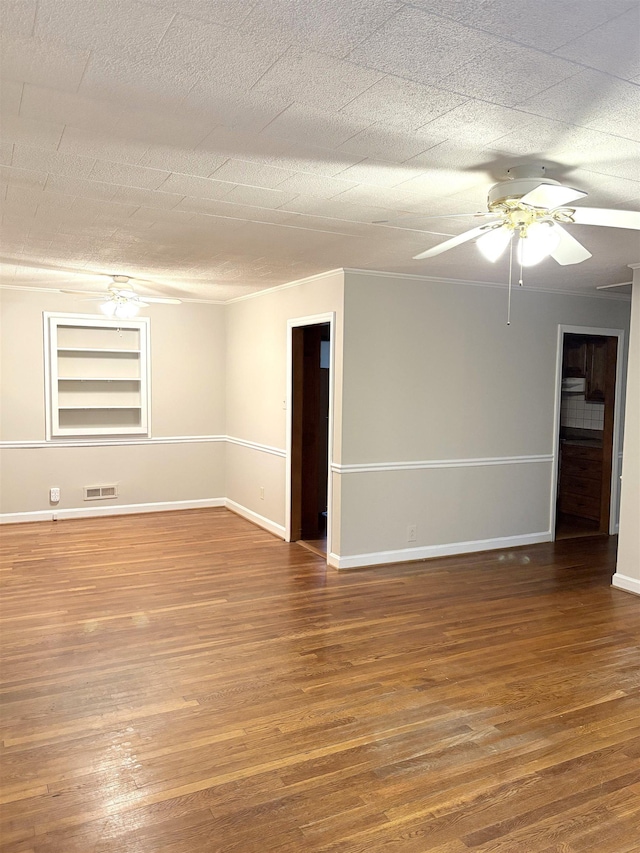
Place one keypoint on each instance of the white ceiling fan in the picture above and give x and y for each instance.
(534, 209)
(121, 300)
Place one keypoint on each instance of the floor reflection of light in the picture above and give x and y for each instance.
(116, 768)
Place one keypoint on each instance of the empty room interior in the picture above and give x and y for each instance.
(320, 426)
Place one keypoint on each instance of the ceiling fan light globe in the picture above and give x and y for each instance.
(126, 310)
(109, 307)
(494, 242)
(540, 240)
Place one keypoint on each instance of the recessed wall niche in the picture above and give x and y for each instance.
(97, 372)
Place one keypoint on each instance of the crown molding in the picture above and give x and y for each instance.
(286, 285)
(604, 293)
(440, 279)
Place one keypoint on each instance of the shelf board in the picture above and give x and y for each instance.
(92, 350)
(99, 379)
(67, 408)
(76, 432)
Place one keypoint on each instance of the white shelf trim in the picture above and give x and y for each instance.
(99, 350)
(98, 379)
(67, 408)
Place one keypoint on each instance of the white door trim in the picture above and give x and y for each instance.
(615, 450)
(311, 320)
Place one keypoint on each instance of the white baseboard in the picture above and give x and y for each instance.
(334, 560)
(115, 509)
(266, 523)
(425, 552)
(626, 583)
(22, 517)
(54, 514)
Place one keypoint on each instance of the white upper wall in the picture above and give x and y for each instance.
(432, 371)
(187, 400)
(257, 355)
(187, 364)
(257, 387)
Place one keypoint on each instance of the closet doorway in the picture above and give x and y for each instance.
(309, 440)
(587, 446)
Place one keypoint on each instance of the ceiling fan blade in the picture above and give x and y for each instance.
(453, 242)
(609, 218)
(129, 295)
(568, 251)
(134, 297)
(609, 286)
(97, 293)
(550, 196)
(458, 215)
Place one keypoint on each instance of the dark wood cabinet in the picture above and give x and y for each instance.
(596, 374)
(580, 481)
(574, 361)
(586, 357)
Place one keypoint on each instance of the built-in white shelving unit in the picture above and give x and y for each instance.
(98, 375)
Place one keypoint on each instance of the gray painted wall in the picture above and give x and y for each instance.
(431, 373)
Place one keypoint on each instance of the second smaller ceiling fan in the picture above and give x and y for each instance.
(122, 301)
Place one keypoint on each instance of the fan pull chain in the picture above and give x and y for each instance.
(510, 278)
(520, 282)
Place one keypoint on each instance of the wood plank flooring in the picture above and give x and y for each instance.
(187, 683)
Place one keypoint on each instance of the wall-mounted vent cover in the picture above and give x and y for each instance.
(97, 493)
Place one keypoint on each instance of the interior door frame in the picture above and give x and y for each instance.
(311, 320)
(617, 411)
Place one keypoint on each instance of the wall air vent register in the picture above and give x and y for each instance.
(96, 493)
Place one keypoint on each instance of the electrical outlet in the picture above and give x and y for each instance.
(261, 493)
(54, 495)
(412, 532)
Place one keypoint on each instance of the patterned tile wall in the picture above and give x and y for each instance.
(575, 411)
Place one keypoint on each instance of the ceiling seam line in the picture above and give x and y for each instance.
(510, 40)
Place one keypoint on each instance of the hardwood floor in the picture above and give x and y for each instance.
(187, 683)
(571, 526)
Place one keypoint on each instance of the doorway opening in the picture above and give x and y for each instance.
(587, 435)
(310, 435)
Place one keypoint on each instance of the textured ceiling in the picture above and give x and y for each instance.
(217, 147)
